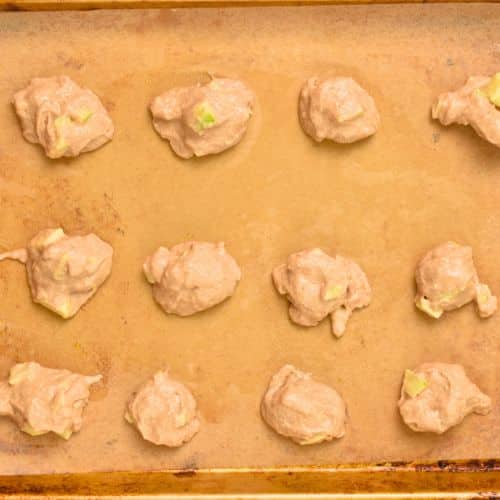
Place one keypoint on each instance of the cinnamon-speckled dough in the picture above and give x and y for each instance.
(448, 398)
(469, 105)
(447, 279)
(298, 407)
(64, 272)
(42, 400)
(191, 276)
(318, 285)
(164, 411)
(338, 109)
(64, 118)
(203, 119)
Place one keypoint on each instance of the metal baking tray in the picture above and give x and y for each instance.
(383, 201)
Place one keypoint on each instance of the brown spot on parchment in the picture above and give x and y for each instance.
(108, 104)
(14, 344)
(107, 215)
(23, 445)
(69, 61)
(102, 365)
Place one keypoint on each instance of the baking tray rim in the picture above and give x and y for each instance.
(459, 477)
(44, 5)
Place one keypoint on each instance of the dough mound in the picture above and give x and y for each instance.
(298, 407)
(42, 400)
(191, 276)
(64, 272)
(164, 411)
(469, 105)
(447, 279)
(318, 285)
(338, 109)
(63, 117)
(446, 400)
(203, 119)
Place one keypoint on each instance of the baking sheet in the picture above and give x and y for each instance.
(383, 201)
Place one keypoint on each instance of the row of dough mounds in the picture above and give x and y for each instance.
(434, 398)
(64, 272)
(203, 119)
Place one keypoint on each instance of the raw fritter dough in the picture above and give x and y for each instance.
(474, 105)
(191, 276)
(318, 285)
(164, 411)
(203, 119)
(63, 117)
(447, 279)
(64, 271)
(298, 407)
(42, 400)
(437, 396)
(338, 109)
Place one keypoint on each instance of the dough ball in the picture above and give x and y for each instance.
(42, 400)
(164, 411)
(298, 407)
(63, 117)
(338, 109)
(64, 272)
(318, 285)
(437, 396)
(477, 104)
(203, 119)
(447, 279)
(191, 276)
